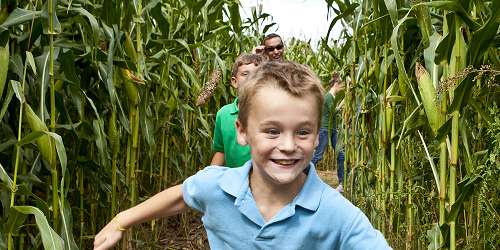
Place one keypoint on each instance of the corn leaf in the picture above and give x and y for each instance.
(4, 67)
(67, 225)
(4, 177)
(6, 101)
(15, 220)
(16, 86)
(19, 16)
(51, 240)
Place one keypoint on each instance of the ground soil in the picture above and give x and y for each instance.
(187, 232)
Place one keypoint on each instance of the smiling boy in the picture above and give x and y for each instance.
(276, 200)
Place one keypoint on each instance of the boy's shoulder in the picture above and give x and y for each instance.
(220, 177)
(227, 109)
(332, 200)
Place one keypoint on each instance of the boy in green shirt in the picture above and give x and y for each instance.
(227, 150)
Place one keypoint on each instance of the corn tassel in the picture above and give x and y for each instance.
(208, 89)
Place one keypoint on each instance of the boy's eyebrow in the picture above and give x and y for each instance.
(274, 122)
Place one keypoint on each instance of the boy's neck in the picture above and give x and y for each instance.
(270, 197)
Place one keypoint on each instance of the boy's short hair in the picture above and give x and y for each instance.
(245, 59)
(270, 36)
(296, 79)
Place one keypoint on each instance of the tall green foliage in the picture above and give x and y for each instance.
(112, 86)
(411, 128)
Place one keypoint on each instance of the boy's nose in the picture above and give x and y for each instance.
(287, 144)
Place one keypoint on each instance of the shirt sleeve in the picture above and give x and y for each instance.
(218, 144)
(199, 189)
(362, 235)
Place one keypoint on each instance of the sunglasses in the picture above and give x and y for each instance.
(271, 49)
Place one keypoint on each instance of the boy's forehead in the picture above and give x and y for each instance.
(249, 63)
(248, 66)
(270, 89)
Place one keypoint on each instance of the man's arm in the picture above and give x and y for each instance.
(166, 203)
(218, 159)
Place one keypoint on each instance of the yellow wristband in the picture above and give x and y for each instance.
(119, 226)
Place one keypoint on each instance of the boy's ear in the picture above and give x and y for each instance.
(316, 142)
(241, 135)
(234, 83)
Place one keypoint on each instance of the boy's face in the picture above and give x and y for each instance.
(282, 131)
(242, 74)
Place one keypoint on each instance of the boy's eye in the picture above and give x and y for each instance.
(303, 132)
(272, 131)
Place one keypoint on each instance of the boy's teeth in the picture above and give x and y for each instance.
(284, 162)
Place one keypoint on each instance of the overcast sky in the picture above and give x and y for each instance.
(305, 19)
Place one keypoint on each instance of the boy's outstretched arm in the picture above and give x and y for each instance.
(218, 159)
(166, 203)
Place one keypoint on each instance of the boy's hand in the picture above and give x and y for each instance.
(259, 49)
(337, 87)
(109, 236)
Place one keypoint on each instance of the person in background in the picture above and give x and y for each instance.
(227, 151)
(276, 200)
(329, 109)
(272, 47)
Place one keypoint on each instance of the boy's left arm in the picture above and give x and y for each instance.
(218, 159)
(166, 203)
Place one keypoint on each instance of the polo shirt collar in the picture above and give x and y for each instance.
(234, 107)
(236, 184)
(309, 196)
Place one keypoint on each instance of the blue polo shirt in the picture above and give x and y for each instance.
(318, 218)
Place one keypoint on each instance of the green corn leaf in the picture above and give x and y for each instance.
(67, 225)
(433, 236)
(443, 130)
(466, 188)
(51, 240)
(30, 138)
(19, 16)
(4, 67)
(31, 61)
(392, 8)
(16, 86)
(4, 177)
(6, 101)
(15, 221)
(94, 24)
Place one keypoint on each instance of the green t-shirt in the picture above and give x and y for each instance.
(235, 155)
(327, 110)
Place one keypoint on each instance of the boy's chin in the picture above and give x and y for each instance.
(285, 178)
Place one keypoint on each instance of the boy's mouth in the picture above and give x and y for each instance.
(285, 162)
